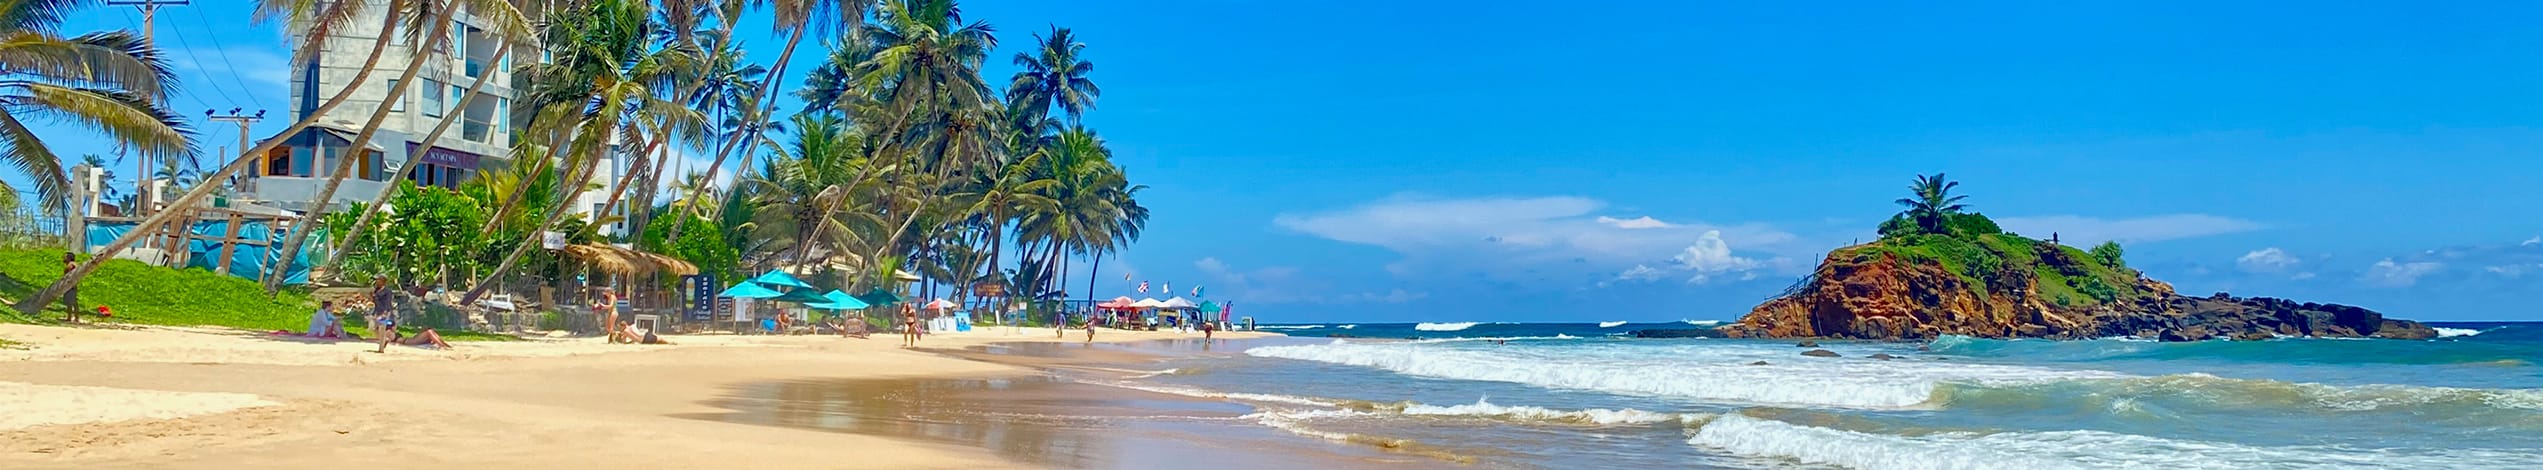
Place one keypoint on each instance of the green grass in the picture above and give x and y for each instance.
(138, 293)
(2068, 279)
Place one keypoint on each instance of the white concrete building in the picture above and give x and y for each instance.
(292, 174)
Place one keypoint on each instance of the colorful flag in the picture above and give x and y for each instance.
(1196, 291)
(1169, 290)
(1125, 277)
(1143, 287)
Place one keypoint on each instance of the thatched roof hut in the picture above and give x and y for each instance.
(626, 262)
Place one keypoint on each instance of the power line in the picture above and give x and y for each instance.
(224, 51)
(187, 45)
(131, 22)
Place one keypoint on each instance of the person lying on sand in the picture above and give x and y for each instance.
(426, 338)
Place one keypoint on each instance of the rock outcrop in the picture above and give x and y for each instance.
(1902, 291)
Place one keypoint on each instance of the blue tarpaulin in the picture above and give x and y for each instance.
(248, 261)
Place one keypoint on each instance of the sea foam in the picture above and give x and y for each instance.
(1595, 416)
(1717, 374)
(2443, 332)
(1771, 439)
(1611, 324)
(1459, 326)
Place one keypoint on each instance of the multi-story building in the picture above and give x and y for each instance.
(292, 174)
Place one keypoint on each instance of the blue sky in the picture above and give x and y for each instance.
(1421, 161)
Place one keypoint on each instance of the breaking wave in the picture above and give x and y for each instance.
(1459, 326)
(1611, 324)
(1766, 438)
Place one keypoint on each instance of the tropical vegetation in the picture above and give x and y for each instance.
(1936, 228)
(906, 161)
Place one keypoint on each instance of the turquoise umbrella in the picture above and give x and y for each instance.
(801, 296)
(749, 290)
(880, 298)
(837, 301)
(780, 278)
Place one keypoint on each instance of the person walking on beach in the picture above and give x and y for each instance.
(383, 313)
(1090, 330)
(909, 326)
(1059, 325)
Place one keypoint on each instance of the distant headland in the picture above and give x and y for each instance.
(1941, 270)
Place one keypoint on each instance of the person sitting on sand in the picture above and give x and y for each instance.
(323, 321)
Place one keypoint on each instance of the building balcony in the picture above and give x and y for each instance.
(294, 192)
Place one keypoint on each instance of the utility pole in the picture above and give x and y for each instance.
(243, 120)
(141, 163)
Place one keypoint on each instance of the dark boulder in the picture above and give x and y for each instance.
(1806, 344)
(1820, 353)
(1882, 356)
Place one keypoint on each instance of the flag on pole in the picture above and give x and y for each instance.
(1125, 277)
(1169, 290)
(1143, 287)
(1196, 291)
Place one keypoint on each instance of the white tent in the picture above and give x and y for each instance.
(1179, 303)
(1150, 302)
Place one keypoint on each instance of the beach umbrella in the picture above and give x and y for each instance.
(836, 300)
(801, 296)
(1117, 303)
(749, 290)
(1209, 307)
(879, 298)
(780, 278)
(1150, 302)
(938, 304)
(1178, 303)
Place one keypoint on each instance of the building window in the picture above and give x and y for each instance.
(397, 102)
(432, 98)
(458, 96)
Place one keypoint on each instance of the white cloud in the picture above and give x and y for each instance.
(2538, 240)
(2080, 230)
(1635, 223)
(1531, 238)
(1639, 273)
(2268, 260)
(2387, 273)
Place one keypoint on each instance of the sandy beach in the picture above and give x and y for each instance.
(153, 397)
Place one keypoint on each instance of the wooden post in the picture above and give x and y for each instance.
(180, 244)
(229, 243)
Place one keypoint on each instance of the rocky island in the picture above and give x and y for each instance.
(1938, 270)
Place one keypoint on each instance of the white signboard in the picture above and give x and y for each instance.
(552, 240)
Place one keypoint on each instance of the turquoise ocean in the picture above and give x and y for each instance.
(1550, 395)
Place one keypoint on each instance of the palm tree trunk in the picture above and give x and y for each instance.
(1090, 278)
(545, 223)
(503, 49)
(317, 212)
(766, 85)
(152, 224)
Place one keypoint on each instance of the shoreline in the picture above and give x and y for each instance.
(570, 403)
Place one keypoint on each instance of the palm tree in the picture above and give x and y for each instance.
(610, 73)
(1053, 75)
(796, 18)
(501, 15)
(106, 81)
(512, 26)
(319, 21)
(1933, 203)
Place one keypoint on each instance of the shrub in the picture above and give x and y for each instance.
(2109, 254)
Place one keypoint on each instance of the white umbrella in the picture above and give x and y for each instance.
(1179, 303)
(1150, 302)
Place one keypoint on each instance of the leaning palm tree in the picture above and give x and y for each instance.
(1933, 203)
(1056, 74)
(107, 81)
(505, 19)
(796, 18)
(316, 22)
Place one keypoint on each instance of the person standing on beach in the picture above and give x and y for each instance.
(1090, 330)
(608, 312)
(70, 297)
(383, 313)
(909, 326)
(1059, 325)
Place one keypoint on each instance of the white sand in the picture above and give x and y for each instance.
(24, 405)
(217, 399)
